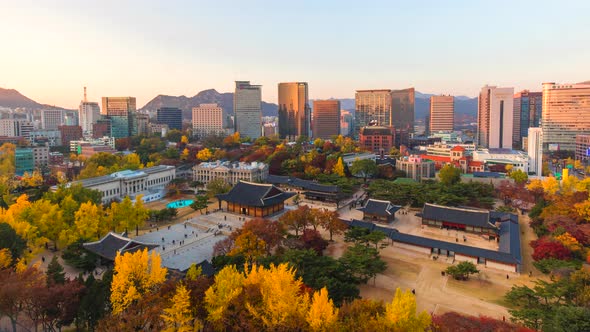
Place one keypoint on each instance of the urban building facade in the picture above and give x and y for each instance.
(101, 128)
(172, 116)
(583, 148)
(535, 150)
(566, 113)
(51, 119)
(503, 157)
(230, 172)
(346, 123)
(24, 161)
(149, 182)
(207, 120)
(120, 110)
(16, 128)
(495, 117)
(142, 122)
(325, 118)
(294, 110)
(402, 114)
(70, 133)
(377, 139)
(88, 114)
(527, 113)
(248, 109)
(372, 108)
(50, 137)
(442, 110)
(415, 167)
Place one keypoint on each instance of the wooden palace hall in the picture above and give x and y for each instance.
(254, 199)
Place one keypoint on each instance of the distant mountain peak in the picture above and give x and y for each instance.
(11, 98)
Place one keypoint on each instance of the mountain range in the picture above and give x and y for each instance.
(11, 98)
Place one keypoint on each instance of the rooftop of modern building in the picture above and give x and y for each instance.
(232, 165)
(377, 130)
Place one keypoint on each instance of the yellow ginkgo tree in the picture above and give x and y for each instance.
(134, 275)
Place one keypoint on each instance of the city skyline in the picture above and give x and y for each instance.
(190, 47)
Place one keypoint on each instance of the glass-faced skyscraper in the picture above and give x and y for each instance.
(527, 113)
(373, 108)
(172, 116)
(294, 110)
(248, 109)
(120, 110)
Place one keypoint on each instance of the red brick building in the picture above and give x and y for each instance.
(457, 158)
(70, 133)
(377, 139)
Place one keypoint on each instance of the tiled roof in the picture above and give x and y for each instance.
(437, 158)
(379, 208)
(305, 184)
(255, 194)
(458, 148)
(512, 235)
(110, 244)
(465, 216)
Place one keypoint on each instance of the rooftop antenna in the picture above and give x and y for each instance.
(85, 100)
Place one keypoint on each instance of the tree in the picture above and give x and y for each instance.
(5, 259)
(248, 245)
(364, 168)
(519, 176)
(322, 315)
(362, 262)
(339, 168)
(194, 272)
(218, 186)
(204, 154)
(462, 270)
(178, 317)
(453, 322)
(227, 286)
(394, 152)
(55, 272)
(89, 221)
(401, 315)
(271, 232)
(184, 139)
(134, 275)
(201, 202)
(550, 185)
(11, 241)
(547, 248)
(297, 220)
(449, 175)
(330, 221)
(312, 239)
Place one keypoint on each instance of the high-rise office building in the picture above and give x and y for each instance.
(442, 110)
(566, 113)
(535, 150)
(373, 107)
(325, 118)
(207, 120)
(495, 117)
(346, 123)
(121, 111)
(142, 121)
(172, 116)
(402, 109)
(294, 110)
(89, 113)
(527, 113)
(248, 109)
(51, 119)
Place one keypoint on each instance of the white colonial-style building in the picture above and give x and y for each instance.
(149, 182)
(232, 173)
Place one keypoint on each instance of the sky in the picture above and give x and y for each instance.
(50, 50)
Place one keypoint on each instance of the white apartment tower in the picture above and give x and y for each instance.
(535, 150)
(52, 119)
(89, 113)
(248, 109)
(207, 120)
(495, 117)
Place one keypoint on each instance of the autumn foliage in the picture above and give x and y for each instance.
(548, 248)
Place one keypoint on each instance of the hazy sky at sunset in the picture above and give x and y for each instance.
(49, 50)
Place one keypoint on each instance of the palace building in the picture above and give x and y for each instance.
(254, 199)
